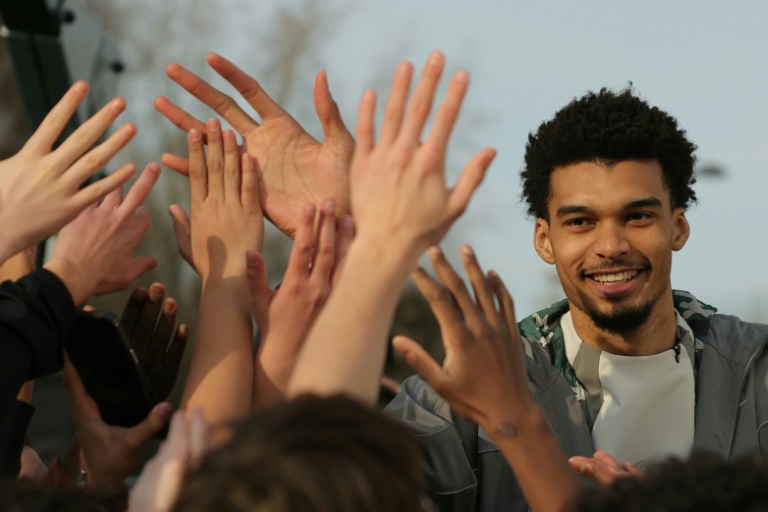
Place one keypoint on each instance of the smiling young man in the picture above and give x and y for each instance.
(624, 363)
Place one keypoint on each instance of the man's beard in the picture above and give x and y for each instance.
(622, 319)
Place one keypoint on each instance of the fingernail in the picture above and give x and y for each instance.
(493, 274)
(347, 222)
(435, 58)
(329, 206)
(164, 409)
(118, 104)
(194, 134)
(80, 86)
(435, 250)
(169, 307)
(467, 249)
(213, 124)
(156, 291)
(309, 209)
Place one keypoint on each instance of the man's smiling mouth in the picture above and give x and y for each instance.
(614, 277)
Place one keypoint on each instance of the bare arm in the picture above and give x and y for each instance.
(401, 205)
(226, 221)
(484, 379)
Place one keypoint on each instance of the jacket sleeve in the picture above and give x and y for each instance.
(449, 466)
(36, 314)
(13, 431)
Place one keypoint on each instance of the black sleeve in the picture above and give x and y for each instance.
(36, 313)
(13, 430)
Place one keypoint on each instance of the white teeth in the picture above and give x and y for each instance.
(615, 277)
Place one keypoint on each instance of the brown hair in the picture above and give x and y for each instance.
(329, 454)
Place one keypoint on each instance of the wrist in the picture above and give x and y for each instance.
(74, 278)
(520, 421)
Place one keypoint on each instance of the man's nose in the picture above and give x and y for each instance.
(610, 242)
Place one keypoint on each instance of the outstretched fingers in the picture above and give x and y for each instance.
(198, 173)
(178, 116)
(232, 178)
(422, 99)
(100, 188)
(249, 89)
(470, 179)
(448, 112)
(480, 285)
(325, 246)
(420, 360)
(443, 305)
(55, 121)
(506, 304)
(215, 159)
(223, 104)
(398, 96)
(303, 244)
(90, 131)
(455, 285)
(364, 132)
(141, 188)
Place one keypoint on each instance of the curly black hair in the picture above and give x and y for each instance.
(608, 127)
(704, 482)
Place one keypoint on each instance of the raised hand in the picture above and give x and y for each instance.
(603, 469)
(296, 168)
(399, 194)
(285, 315)
(400, 205)
(40, 189)
(94, 253)
(148, 323)
(483, 376)
(111, 453)
(159, 484)
(226, 214)
(226, 221)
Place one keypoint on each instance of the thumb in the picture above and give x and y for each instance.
(157, 418)
(181, 228)
(418, 359)
(83, 406)
(327, 109)
(258, 286)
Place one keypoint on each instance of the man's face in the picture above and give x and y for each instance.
(611, 233)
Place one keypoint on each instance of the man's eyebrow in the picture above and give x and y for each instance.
(568, 209)
(643, 203)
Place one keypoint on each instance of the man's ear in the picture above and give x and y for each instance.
(681, 230)
(541, 241)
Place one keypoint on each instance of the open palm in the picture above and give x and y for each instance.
(295, 167)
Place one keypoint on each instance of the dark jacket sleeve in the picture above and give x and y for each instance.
(13, 431)
(36, 313)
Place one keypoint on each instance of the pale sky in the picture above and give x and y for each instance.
(704, 63)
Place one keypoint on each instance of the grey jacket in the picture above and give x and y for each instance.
(466, 470)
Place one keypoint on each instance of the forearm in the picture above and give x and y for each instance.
(221, 371)
(538, 461)
(351, 332)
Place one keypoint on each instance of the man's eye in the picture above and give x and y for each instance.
(577, 222)
(638, 216)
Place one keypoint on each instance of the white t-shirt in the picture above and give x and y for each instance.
(648, 402)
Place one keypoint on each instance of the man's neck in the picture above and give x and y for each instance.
(657, 334)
